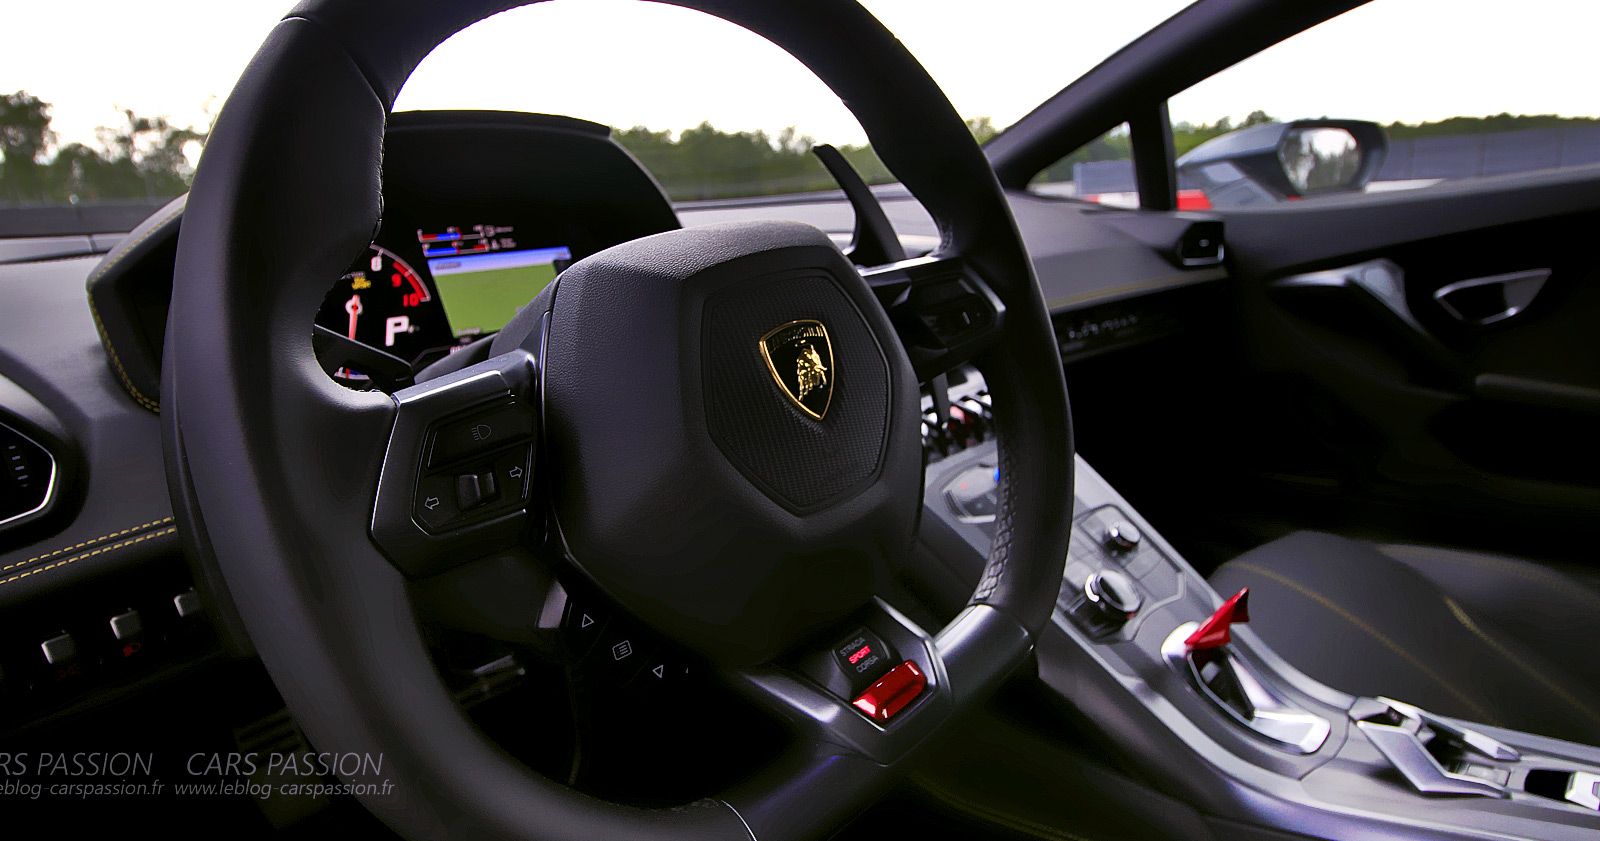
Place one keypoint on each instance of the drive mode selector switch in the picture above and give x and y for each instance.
(862, 657)
(1109, 600)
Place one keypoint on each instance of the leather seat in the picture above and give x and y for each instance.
(1480, 637)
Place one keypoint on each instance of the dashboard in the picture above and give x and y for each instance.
(481, 211)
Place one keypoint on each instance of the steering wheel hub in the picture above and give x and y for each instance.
(688, 483)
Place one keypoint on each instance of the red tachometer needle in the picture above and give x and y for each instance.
(353, 306)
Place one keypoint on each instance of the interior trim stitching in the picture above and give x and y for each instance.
(992, 814)
(76, 546)
(1529, 572)
(101, 550)
(105, 339)
(1466, 621)
(1483, 714)
(116, 362)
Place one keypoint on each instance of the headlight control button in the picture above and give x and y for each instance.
(479, 433)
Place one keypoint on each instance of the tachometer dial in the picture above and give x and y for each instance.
(385, 303)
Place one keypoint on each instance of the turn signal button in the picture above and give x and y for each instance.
(892, 692)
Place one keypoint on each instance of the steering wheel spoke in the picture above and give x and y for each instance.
(457, 482)
(878, 689)
(920, 680)
(943, 311)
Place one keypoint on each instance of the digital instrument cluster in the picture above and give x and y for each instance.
(439, 291)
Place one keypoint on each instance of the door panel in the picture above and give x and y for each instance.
(1494, 420)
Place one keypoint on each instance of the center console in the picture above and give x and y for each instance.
(1170, 672)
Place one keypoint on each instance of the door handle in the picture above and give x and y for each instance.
(1380, 283)
(1486, 300)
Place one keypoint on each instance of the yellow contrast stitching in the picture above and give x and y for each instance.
(1483, 714)
(103, 549)
(1461, 616)
(116, 363)
(1530, 572)
(76, 546)
(105, 340)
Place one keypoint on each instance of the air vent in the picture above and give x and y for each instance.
(27, 477)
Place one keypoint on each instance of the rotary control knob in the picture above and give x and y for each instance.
(1109, 600)
(1123, 536)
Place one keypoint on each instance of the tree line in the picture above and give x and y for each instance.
(145, 158)
(706, 163)
(148, 157)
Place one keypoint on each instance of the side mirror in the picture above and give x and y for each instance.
(1275, 162)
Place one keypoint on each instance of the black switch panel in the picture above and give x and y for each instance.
(496, 483)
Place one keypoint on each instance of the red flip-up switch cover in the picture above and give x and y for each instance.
(892, 692)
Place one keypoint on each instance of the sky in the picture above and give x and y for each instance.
(625, 63)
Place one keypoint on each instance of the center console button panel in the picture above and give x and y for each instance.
(1110, 556)
(88, 646)
(1122, 536)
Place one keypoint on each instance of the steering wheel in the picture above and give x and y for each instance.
(718, 425)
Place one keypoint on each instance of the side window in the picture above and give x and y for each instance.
(1394, 95)
(1101, 171)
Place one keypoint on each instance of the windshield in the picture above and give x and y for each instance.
(115, 105)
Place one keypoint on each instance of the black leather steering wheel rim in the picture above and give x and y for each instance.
(289, 190)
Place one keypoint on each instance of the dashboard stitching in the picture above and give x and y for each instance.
(76, 546)
(116, 363)
(99, 272)
(1539, 574)
(75, 558)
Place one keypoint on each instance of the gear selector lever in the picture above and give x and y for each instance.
(1200, 652)
(1213, 633)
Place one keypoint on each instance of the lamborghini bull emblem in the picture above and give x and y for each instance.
(800, 358)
